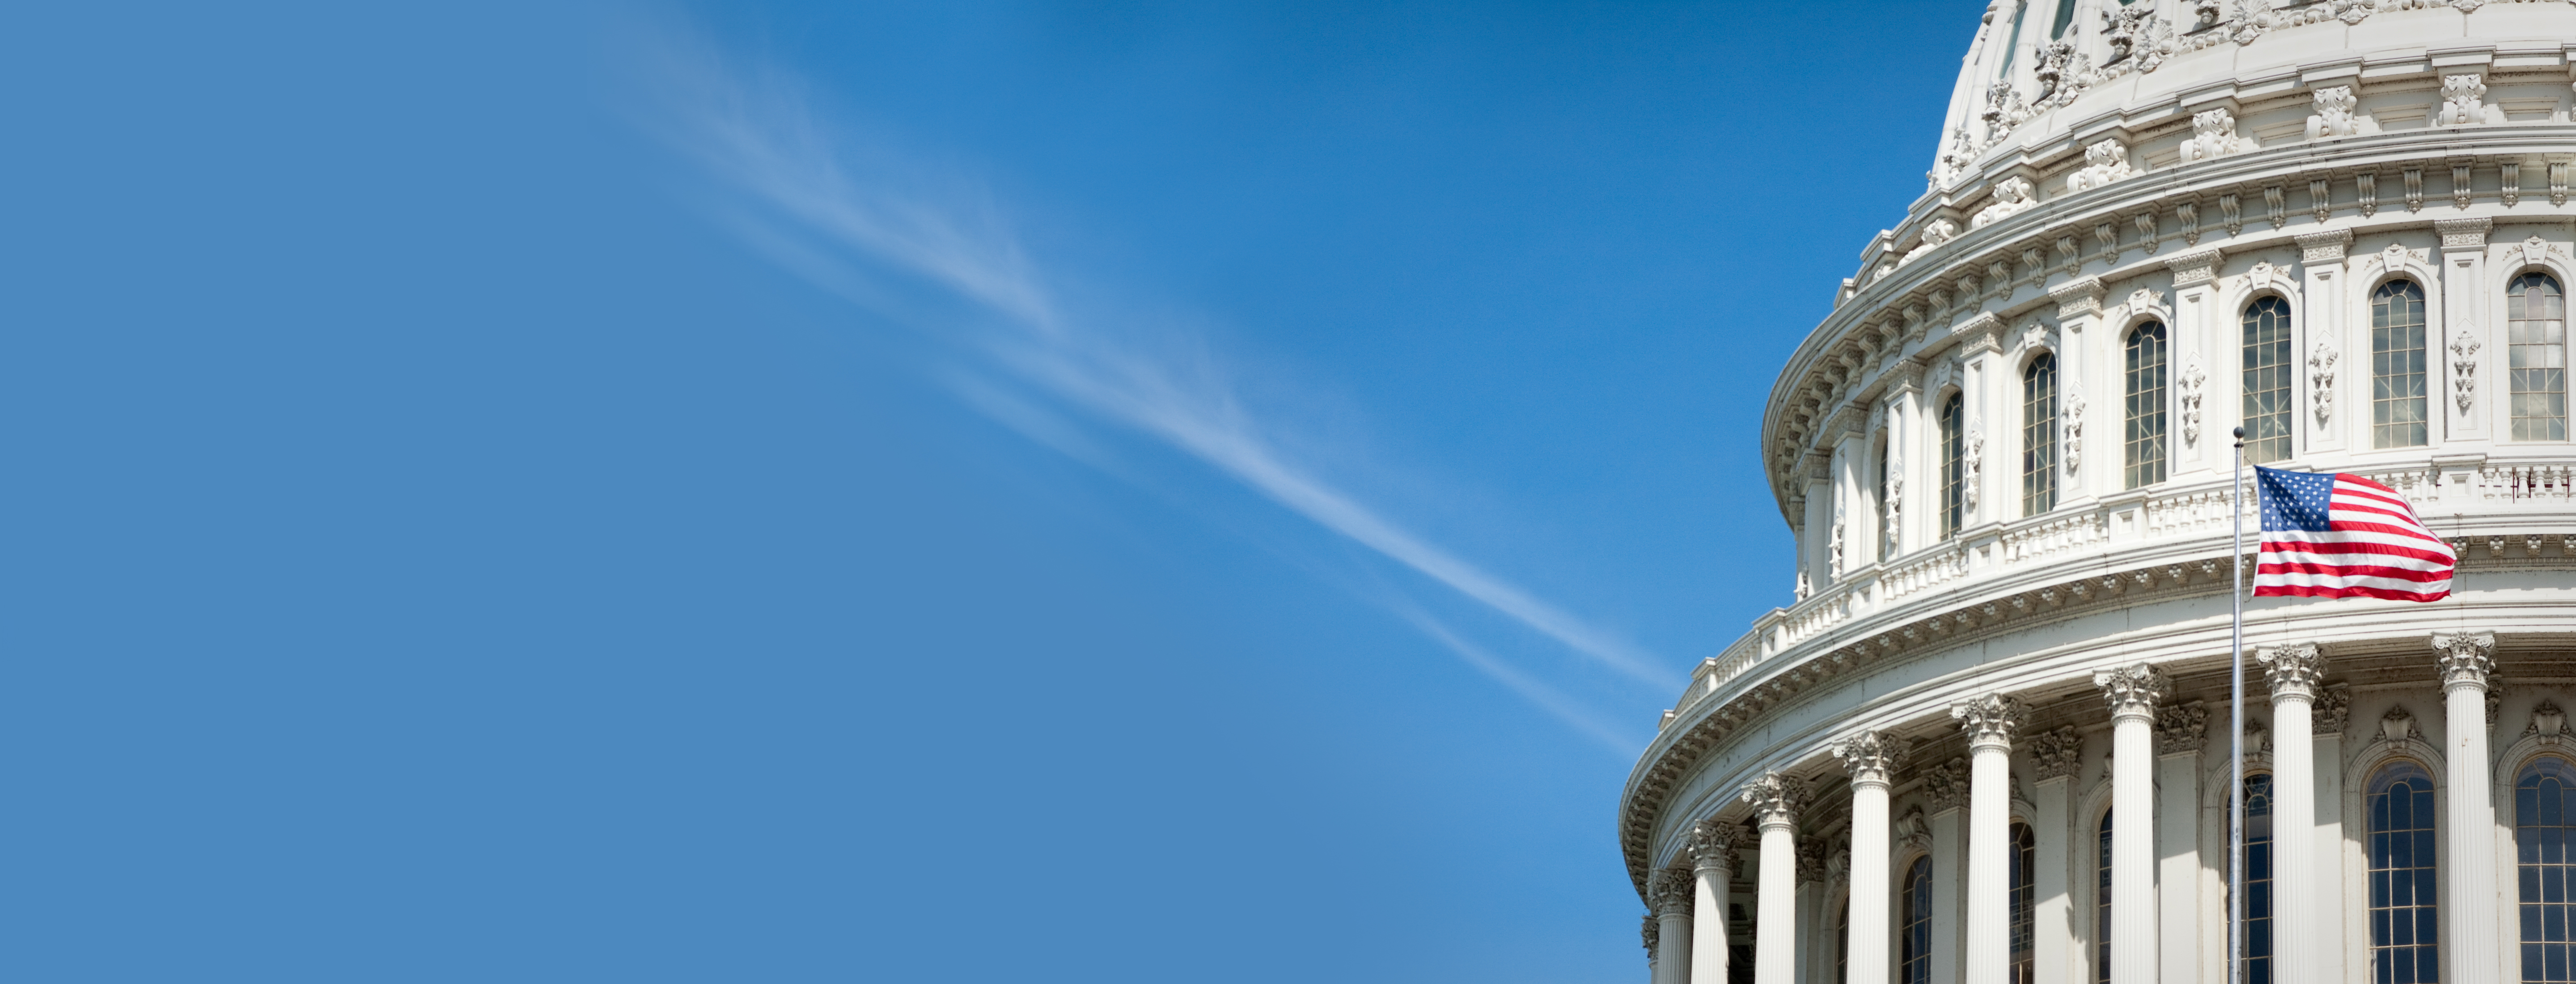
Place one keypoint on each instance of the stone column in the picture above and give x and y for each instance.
(2295, 672)
(2054, 955)
(1945, 789)
(1712, 851)
(2133, 692)
(2181, 732)
(1668, 891)
(2469, 913)
(1649, 930)
(1776, 799)
(1811, 911)
(2333, 710)
(1990, 722)
(1872, 759)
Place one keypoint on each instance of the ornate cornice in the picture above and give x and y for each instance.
(1871, 757)
(2193, 268)
(2464, 233)
(2133, 690)
(2182, 729)
(1776, 800)
(2466, 659)
(2059, 753)
(2294, 671)
(2078, 297)
(2324, 247)
(1989, 720)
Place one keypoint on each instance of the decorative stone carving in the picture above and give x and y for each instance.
(2321, 379)
(2257, 738)
(2461, 190)
(2277, 205)
(1775, 798)
(1712, 846)
(1990, 719)
(2558, 168)
(2510, 188)
(1895, 503)
(2464, 102)
(1871, 757)
(2396, 725)
(1971, 467)
(2535, 251)
(2366, 184)
(2547, 721)
(2213, 135)
(1811, 860)
(2104, 162)
(2232, 212)
(1936, 234)
(2003, 112)
(1837, 558)
(2055, 58)
(2073, 428)
(2263, 275)
(1945, 786)
(2193, 380)
(2414, 178)
(2466, 658)
(2464, 369)
(1911, 832)
(2013, 196)
(2294, 670)
(2058, 753)
(1670, 891)
(2187, 213)
(2333, 712)
(1653, 933)
(2182, 729)
(2463, 233)
(2334, 116)
(2132, 690)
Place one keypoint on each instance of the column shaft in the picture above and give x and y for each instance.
(1990, 722)
(1712, 848)
(2296, 909)
(1774, 957)
(1871, 892)
(2469, 914)
(2133, 851)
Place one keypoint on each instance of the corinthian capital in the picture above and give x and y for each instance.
(1989, 720)
(2296, 670)
(1871, 757)
(2467, 658)
(2183, 729)
(1712, 847)
(2133, 690)
(1776, 799)
(1670, 891)
(2059, 753)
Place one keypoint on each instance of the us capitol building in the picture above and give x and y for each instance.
(1988, 744)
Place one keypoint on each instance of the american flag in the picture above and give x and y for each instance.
(2345, 536)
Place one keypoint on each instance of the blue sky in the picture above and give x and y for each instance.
(951, 491)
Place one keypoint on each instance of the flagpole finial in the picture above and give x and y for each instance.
(2240, 437)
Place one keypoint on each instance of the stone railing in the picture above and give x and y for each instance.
(2077, 541)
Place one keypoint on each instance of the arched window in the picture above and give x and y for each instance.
(2404, 915)
(2267, 380)
(2102, 906)
(2397, 418)
(2065, 17)
(2025, 857)
(2544, 828)
(2536, 322)
(2039, 435)
(1954, 463)
(1914, 955)
(2258, 879)
(2146, 404)
(2012, 40)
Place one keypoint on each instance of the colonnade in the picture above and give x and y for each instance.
(1688, 928)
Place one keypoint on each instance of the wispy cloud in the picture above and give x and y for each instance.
(832, 206)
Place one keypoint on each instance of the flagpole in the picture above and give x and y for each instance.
(2236, 734)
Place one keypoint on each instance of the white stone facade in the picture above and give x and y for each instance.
(2342, 224)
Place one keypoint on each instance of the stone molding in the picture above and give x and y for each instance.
(1989, 720)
